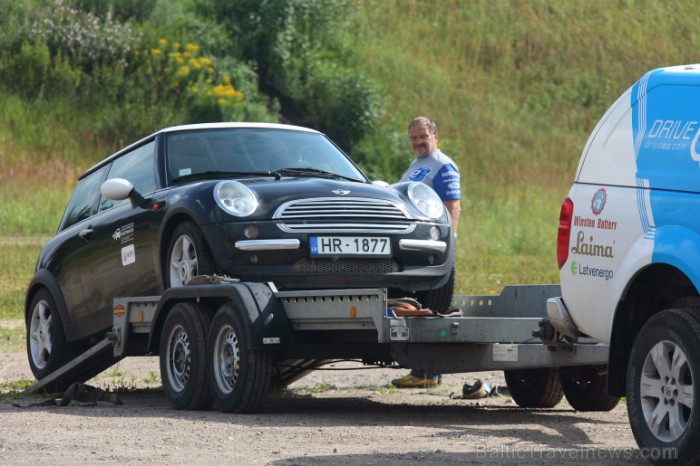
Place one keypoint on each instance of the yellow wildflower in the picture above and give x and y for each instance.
(194, 63)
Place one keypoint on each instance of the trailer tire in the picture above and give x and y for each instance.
(439, 299)
(47, 347)
(585, 388)
(183, 350)
(188, 256)
(239, 377)
(662, 372)
(534, 388)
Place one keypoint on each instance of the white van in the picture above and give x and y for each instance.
(629, 257)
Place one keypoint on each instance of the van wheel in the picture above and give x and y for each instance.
(47, 348)
(439, 299)
(585, 388)
(661, 391)
(534, 388)
(188, 256)
(239, 377)
(183, 357)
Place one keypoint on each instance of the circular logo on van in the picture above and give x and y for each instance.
(598, 201)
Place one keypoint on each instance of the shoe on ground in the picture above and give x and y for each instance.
(475, 391)
(411, 381)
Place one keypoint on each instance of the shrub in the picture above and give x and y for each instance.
(84, 38)
(25, 72)
(298, 50)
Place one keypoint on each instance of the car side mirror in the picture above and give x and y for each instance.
(381, 183)
(118, 189)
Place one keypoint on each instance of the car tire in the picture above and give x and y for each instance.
(47, 347)
(585, 388)
(662, 394)
(188, 256)
(534, 388)
(439, 299)
(183, 352)
(239, 377)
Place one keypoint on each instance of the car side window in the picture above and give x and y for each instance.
(82, 203)
(135, 166)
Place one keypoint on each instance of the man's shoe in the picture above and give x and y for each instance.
(411, 381)
(477, 390)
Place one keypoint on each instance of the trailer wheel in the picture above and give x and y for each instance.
(439, 299)
(585, 388)
(183, 357)
(239, 377)
(188, 255)
(662, 392)
(534, 388)
(47, 348)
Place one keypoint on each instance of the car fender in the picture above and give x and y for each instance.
(45, 279)
(269, 326)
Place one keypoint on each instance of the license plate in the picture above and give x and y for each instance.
(351, 246)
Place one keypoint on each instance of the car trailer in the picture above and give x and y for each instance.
(227, 343)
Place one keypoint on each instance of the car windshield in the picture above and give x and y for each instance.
(255, 151)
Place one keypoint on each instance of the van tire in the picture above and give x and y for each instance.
(585, 388)
(671, 337)
(534, 388)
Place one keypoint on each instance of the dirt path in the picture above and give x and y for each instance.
(334, 417)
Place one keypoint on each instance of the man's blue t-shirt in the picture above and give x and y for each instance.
(437, 171)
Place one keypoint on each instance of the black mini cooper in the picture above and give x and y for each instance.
(255, 202)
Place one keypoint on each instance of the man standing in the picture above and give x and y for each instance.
(438, 171)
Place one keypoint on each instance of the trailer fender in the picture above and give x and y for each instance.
(268, 321)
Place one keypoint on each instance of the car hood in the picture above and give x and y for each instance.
(273, 193)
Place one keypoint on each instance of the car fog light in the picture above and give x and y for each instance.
(434, 232)
(254, 259)
(431, 260)
(251, 232)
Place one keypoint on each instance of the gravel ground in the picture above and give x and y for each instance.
(338, 416)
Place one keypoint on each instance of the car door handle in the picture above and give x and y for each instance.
(86, 233)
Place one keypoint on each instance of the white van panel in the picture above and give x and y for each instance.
(608, 157)
(599, 261)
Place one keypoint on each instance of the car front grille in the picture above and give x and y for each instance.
(362, 266)
(346, 215)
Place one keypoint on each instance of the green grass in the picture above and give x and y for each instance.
(11, 338)
(18, 267)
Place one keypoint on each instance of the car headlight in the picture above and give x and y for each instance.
(235, 198)
(426, 200)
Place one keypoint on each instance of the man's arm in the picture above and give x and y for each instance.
(454, 208)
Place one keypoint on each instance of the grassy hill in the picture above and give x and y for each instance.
(515, 86)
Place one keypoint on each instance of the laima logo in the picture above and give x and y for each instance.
(598, 202)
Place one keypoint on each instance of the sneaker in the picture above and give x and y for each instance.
(477, 390)
(411, 381)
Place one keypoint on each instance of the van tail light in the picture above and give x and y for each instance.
(564, 233)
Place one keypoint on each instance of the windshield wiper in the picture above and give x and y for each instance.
(217, 174)
(313, 172)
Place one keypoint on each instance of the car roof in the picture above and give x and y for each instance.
(199, 126)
